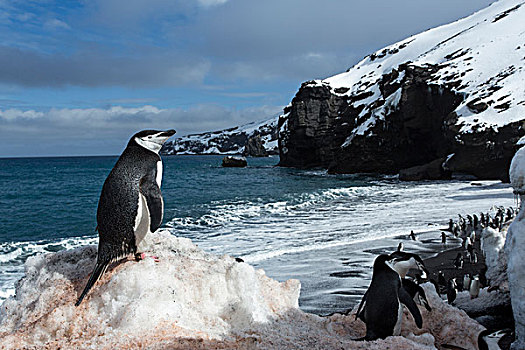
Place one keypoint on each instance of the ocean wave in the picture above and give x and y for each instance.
(14, 254)
(221, 213)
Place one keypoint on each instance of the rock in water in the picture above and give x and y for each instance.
(515, 250)
(234, 162)
(254, 147)
(431, 171)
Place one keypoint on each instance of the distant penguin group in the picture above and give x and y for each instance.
(130, 204)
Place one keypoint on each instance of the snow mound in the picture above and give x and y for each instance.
(190, 299)
(492, 243)
(515, 250)
(517, 171)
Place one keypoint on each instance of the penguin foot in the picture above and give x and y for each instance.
(142, 256)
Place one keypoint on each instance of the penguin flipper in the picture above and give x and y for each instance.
(361, 304)
(99, 269)
(405, 299)
(151, 191)
(423, 297)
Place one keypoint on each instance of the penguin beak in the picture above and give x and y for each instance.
(167, 133)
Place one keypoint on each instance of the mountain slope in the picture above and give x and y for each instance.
(228, 141)
(456, 89)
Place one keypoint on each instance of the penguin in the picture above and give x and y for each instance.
(466, 282)
(404, 261)
(416, 292)
(452, 290)
(474, 287)
(458, 261)
(488, 340)
(473, 258)
(413, 236)
(400, 247)
(380, 307)
(441, 278)
(451, 225)
(443, 238)
(130, 204)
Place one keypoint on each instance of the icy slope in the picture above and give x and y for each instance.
(228, 141)
(452, 94)
(189, 299)
(481, 57)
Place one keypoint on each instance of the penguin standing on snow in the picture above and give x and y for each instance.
(380, 307)
(130, 205)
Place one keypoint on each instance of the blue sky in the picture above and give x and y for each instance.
(79, 77)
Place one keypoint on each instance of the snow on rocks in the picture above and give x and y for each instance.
(492, 242)
(190, 299)
(486, 72)
(515, 250)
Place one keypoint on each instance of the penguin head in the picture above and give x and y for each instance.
(151, 140)
(404, 261)
(383, 262)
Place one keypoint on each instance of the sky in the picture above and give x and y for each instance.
(81, 77)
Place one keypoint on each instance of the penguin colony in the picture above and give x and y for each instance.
(469, 228)
(131, 204)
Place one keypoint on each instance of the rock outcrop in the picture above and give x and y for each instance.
(254, 147)
(439, 94)
(234, 162)
(258, 137)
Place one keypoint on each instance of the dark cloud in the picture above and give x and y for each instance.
(29, 68)
(143, 43)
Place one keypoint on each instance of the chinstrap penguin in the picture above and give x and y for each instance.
(380, 307)
(130, 204)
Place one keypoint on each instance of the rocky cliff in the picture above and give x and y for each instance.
(454, 93)
(253, 139)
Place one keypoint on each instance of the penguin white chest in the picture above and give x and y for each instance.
(142, 220)
(158, 179)
(397, 327)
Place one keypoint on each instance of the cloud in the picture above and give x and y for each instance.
(106, 131)
(209, 3)
(94, 68)
(56, 24)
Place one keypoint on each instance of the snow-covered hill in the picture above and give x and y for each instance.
(468, 76)
(228, 141)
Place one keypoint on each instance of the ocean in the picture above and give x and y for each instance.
(324, 230)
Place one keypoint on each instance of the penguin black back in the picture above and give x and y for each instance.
(382, 301)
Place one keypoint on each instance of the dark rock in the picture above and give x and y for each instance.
(319, 129)
(477, 107)
(254, 147)
(234, 162)
(430, 171)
